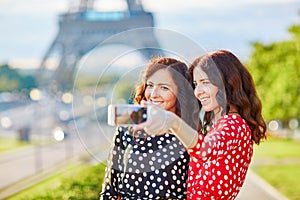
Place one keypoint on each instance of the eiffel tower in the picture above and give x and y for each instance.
(81, 29)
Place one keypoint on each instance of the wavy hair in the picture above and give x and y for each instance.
(187, 106)
(235, 87)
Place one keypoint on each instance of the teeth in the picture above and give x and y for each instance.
(154, 102)
(204, 99)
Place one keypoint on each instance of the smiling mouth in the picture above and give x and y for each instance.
(204, 100)
(156, 102)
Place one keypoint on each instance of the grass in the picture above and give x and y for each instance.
(82, 182)
(10, 143)
(13, 143)
(283, 173)
(277, 148)
(285, 178)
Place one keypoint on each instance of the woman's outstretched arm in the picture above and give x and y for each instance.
(161, 121)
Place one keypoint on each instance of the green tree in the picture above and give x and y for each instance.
(276, 70)
(9, 79)
(12, 80)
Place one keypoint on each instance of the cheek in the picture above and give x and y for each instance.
(196, 92)
(214, 94)
(171, 98)
(147, 94)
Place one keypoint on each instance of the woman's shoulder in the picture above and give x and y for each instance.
(122, 132)
(232, 117)
(236, 121)
(233, 120)
(121, 128)
(234, 126)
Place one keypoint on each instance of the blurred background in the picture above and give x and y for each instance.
(62, 62)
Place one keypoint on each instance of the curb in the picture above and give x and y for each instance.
(274, 193)
(267, 189)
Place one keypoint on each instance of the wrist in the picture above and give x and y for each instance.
(186, 134)
(173, 122)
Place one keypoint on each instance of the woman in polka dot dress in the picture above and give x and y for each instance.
(221, 152)
(153, 167)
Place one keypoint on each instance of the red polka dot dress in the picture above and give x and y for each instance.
(220, 160)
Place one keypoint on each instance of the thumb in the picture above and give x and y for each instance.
(141, 126)
(144, 103)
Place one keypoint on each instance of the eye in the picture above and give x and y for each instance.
(206, 82)
(149, 85)
(195, 83)
(164, 87)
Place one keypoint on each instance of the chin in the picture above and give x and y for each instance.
(207, 109)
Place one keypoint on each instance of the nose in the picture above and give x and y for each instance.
(155, 92)
(198, 90)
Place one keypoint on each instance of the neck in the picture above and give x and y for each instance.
(217, 116)
(233, 110)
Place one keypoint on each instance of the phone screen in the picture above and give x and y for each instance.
(130, 114)
(126, 114)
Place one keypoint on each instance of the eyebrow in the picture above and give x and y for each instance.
(159, 83)
(203, 79)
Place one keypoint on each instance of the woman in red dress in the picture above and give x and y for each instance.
(221, 152)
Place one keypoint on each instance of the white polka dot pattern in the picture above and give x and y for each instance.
(220, 160)
(152, 167)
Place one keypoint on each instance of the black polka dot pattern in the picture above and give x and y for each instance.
(220, 160)
(145, 167)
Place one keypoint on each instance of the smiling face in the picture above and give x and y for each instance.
(205, 91)
(161, 90)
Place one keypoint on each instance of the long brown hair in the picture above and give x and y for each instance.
(236, 87)
(187, 106)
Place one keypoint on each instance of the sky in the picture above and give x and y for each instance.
(28, 27)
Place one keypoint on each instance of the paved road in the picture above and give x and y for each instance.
(255, 188)
(15, 166)
(27, 161)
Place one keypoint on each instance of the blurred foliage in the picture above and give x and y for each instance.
(12, 80)
(82, 182)
(88, 81)
(276, 70)
(7, 143)
(277, 148)
(114, 84)
(124, 91)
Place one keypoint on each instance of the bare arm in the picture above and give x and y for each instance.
(161, 121)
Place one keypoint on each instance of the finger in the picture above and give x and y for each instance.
(144, 103)
(141, 126)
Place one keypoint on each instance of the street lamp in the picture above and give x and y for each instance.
(36, 95)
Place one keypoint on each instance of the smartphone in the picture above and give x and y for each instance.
(126, 114)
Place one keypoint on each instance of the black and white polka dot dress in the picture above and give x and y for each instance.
(145, 167)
